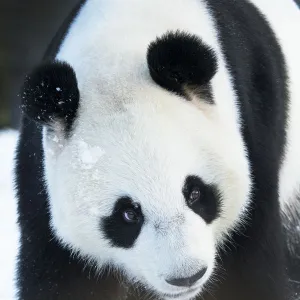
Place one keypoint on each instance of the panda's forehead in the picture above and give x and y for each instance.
(152, 130)
(138, 135)
(143, 151)
(109, 94)
(159, 126)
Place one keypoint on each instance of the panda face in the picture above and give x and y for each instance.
(145, 192)
(150, 186)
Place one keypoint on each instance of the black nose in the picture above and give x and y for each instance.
(189, 281)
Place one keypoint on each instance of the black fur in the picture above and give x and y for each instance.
(178, 61)
(116, 230)
(253, 261)
(51, 94)
(209, 205)
(252, 265)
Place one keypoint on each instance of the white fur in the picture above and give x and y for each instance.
(9, 231)
(132, 137)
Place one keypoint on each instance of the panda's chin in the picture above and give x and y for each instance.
(171, 294)
(179, 294)
(188, 295)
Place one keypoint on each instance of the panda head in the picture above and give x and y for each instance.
(143, 173)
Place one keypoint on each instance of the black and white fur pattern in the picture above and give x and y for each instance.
(142, 104)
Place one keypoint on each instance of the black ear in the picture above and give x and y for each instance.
(179, 60)
(50, 93)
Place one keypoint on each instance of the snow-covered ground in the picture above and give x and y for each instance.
(8, 229)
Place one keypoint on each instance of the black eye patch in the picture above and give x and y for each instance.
(124, 225)
(202, 198)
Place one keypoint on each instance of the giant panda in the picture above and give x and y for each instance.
(158, 155)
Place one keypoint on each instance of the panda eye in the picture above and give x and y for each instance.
(194, 196)
(130, 216)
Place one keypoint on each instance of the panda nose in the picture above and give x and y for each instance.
(189, 281)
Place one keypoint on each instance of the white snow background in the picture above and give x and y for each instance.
(9, 234)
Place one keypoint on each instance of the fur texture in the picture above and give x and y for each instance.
(50, 95)
(182, 63)
(152, 185)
